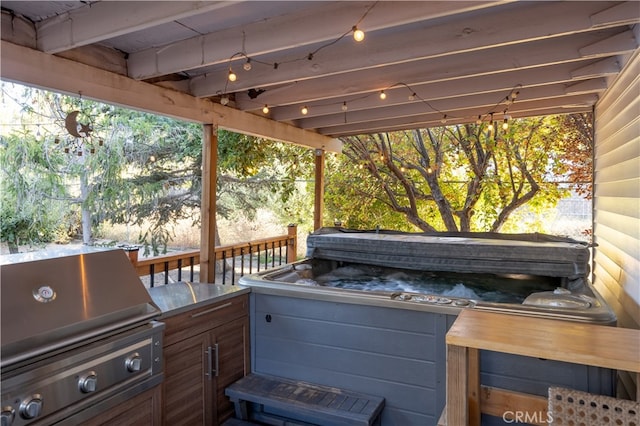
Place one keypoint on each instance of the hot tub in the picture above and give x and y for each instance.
(368, 311)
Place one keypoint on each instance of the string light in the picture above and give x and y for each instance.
(224, 100)
(304, 110)
(247, 65)
(232, 76)
(344, 106)
(412, 97)
(265, 109)
(444, 119)
(490, 126)
(383, 95)
(358, 34)
(479, 120)
(505, 122)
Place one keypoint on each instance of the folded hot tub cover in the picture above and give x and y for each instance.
(467, 252)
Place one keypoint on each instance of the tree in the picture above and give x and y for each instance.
(140, 169)
(29, 212)
(453, 178)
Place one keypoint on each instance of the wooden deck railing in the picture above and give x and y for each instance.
(235, 260)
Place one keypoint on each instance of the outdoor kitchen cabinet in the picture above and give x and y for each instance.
(205, 350)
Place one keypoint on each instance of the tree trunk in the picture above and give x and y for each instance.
(86, 214)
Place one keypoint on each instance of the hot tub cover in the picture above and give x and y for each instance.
(536, 254)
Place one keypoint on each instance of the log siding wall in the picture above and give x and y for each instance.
(616, 262)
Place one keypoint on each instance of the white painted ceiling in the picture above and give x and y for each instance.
(453, 61)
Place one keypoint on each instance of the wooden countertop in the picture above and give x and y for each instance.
(580, 343)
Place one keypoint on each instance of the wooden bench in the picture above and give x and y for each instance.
(276, 400)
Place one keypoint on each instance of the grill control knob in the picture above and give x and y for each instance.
(88, 383)
(31, 407)
(133, 363)
(7, 415)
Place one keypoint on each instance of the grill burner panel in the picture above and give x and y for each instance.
(101, 369)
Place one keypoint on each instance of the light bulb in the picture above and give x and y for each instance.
(247, 65)
(383, 95)
(232, 75)
(344, 106)
(304, 110)
(479, 120)
(490, 127)
(358, 35)
(505, 125)
(224, 100)
(412, 97)
(444, 119)
(265, 109)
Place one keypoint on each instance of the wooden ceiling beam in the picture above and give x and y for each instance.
(496, 61)
(502, 27)
(274, 34)
(102, 20)
(34, 68)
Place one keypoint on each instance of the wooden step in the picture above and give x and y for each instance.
(258, 396)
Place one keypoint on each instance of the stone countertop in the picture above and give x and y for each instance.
(175, 298)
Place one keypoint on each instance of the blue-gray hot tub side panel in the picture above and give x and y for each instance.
(375, 350)
(394, 353)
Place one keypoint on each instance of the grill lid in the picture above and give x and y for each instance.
(48, 303)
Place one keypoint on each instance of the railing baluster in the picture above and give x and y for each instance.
(258, 254)
(166, 273)
(233, 266)
(242, 261)
(224, 267)
(179, 269)
(152, 272)
(273, 254)
(192, 260)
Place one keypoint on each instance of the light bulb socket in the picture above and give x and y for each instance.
(358, 34)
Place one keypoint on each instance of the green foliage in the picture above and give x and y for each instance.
(136, 169)
(30, 212)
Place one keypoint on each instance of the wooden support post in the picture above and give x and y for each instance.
(208, 203)
(457, 409)
(292, 245)
(474, 387)
(318, 204)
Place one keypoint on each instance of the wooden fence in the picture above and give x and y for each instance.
(232, 261)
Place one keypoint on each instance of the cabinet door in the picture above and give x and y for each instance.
(187, 388)
(141, 410)
(232, 342)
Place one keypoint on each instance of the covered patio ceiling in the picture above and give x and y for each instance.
(436, 61)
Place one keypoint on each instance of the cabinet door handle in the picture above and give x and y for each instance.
(208, 372)
(199, 314)
(216, 371)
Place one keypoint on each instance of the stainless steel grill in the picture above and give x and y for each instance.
(78, 336)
